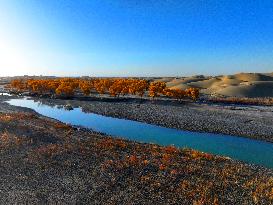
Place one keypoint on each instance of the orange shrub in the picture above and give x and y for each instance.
(156, 88)
(193, 93)
(65, 89)
(85, 87)
(114, 87)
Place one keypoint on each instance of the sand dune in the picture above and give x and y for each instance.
(239, 85)
(184, 82)
(163, 79)
(253, 77)
(255, 89)
(204, 84)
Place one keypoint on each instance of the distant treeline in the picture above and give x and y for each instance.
(114, 87)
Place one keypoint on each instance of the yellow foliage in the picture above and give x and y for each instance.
(114, 87)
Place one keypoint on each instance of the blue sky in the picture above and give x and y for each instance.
(135, 37)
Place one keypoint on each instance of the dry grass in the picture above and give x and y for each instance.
(49, 151)
(61, 126)
(8, 140)
(184, 174)
(260, 189)
(16, 116)
(247, 101)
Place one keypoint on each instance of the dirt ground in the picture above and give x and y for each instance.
(46, 162)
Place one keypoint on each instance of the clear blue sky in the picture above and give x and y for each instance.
(135, 37)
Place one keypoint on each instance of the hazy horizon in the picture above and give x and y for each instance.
(135, 38)
(115, 76)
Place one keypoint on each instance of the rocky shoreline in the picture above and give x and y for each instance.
(44, 161)
(247, 121)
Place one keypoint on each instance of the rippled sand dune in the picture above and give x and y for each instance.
(238, 85)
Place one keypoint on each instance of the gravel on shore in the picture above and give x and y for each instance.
(247, 121)
(43, 161)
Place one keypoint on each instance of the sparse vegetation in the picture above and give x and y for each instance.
(246, 101)
(114, 165)
(8, 141)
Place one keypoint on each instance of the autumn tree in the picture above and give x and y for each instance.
(156, 88)
(18, 84)
(116, 88)
(86, 86)
(193, 93)
(177, 94)
(65, 89)
(37, 86)
(33, 85)
(102, 85)
(125, 84)
(138, 87)
(43, 86)
(52, 85)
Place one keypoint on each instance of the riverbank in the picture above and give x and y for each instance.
(45, 161)
(247, 121)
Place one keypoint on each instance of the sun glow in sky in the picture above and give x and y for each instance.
(135, 38)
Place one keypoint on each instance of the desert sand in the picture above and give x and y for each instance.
(237, 85)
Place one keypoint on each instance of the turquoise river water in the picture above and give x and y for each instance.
(244, 149)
